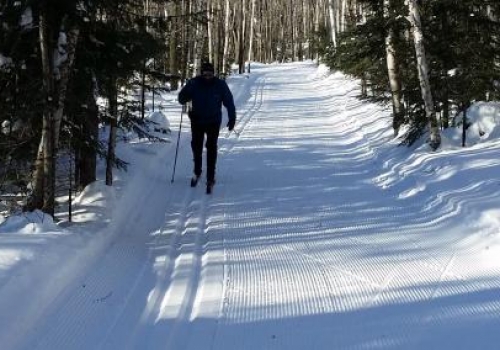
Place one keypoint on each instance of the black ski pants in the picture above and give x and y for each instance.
(198, 133)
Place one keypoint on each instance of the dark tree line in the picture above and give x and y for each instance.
(69, 67)
(57, 58)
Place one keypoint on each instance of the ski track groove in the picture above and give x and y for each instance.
(267, 268)
(245, 118)
(97, 289)
(165, 272)
(178, 333)
(192, 263)
(178, 330)
(230, 142)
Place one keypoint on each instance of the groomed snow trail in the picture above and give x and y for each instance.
(298, 247)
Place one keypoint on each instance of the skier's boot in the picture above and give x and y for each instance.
(210, 186)
(194, 180)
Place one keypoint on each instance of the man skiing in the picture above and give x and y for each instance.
(207, 93)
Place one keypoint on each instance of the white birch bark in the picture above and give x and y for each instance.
(210, 30)
(423, 73)
(317, 11)
(331, 13)
(197, 43)
(343, 15)
(216, 40)
(225, 55)
(393, 72)
(252, 21)
(242, 37)
(305, 33)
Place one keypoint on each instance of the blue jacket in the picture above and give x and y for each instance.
(207, 97)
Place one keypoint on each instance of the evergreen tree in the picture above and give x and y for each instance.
(56, 57)
(465, 53)
(462, 47)
(20, 94)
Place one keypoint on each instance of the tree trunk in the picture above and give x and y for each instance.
(199, 35)
(393, 72)
(86, 156)
(445, 109)
(316, 26)
(113, 123)
(343, 15)
(189, 42)
(44, 174)
(364, 85)
(333, 27)
(217, 39)
(45, 165)
(423, 73)
(303, 31)
(65, 73)
(250, 40)
(262, 37)
(172, 55)
(241, 38)
(225, 54)
(210, 33)
(292, 31)
(143, 91)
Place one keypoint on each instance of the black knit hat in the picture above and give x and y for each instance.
(207, 67)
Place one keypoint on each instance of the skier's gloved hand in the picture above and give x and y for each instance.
(230, 125)
(187, 107)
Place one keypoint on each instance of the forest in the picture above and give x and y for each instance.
(75, 73)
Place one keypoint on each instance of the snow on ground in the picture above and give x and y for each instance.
(321, 233)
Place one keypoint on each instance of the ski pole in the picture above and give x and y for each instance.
(177, 147)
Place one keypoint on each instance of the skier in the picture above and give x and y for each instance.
(207, 94)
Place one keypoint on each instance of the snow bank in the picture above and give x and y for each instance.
(29, 223)
(160, 123)
(483, 119)
(322, 72)
(94, 203)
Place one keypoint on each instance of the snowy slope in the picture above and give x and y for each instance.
(320, 234)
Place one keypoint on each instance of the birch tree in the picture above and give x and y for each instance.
(423, 73)
(211, 33)
(333, 26)
(242, 37)
(251, 39)
(393, 69)
(44, 177)
(57, 58)
(225, 54)
(173, 41)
